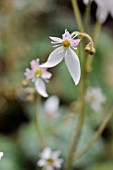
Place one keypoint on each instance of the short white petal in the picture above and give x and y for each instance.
(73, 65)
(40, 87)
(54, 58)
(46, 153)
(41, 162)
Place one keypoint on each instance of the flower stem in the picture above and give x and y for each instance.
(36, 117)
(87, 16)
(97, 30)
(77, 15)
(78, 128)
(85, 35)
(96, 135)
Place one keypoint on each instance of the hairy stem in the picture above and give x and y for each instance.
(95, 137)
(36, 117)
(97, 30)
(77, 15)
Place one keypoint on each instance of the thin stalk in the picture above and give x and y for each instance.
(82, 34)
(97, 30)
(78, 128)
(87, 17)
(36, 119)
(77, 15)
(95, 137)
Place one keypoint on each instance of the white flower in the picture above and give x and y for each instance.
(1, 155)
(39, 76)
(105, 7)
(51, 107)
(95, 97)
(50, 160)
(65, 50)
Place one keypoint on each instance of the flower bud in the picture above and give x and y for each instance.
(25, 83)
(89, 49)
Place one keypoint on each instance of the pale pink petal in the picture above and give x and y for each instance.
(66, 35)
(34, 64)
(74, 43)
(56, 39)
(57, 163)
(46, 74)
(56, 154)
(54, 58)
(40, 87)
(28, 73)
(41, 162)
(49, 167)
(73, 65)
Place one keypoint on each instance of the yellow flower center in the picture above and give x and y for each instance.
(50, 161)
(66, 43)
(38, 72)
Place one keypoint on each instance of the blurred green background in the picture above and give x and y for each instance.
(25, 27)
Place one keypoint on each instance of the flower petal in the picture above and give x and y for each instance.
(73, 65)
(46, 74)
(46, 153)
(54, 58)
(34, 64)
(28, 73)
(56, 39)
(74, 43)
(41, 162)
(66, 35)
(40, 87)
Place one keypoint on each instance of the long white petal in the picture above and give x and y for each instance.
(40, 87)
(73, 65)
(54, 58)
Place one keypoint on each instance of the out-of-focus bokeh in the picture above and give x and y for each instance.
(25, 27)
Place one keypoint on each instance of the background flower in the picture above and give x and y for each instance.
(49, 159)
(39, 76)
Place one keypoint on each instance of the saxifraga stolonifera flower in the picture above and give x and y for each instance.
(50, 159)
(39, 76)
(65, 49)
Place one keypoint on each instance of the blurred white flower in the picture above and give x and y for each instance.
(50, 160)
(95, 98)
(51, 107)
(65, 50)
(105, 7)
(1, 155)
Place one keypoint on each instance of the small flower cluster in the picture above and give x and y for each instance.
(65, 49)
(105, 7)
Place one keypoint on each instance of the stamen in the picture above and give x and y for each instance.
(66, 43)
(38, 72)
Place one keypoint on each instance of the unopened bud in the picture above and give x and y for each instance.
(25, 83)
(89, 49)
